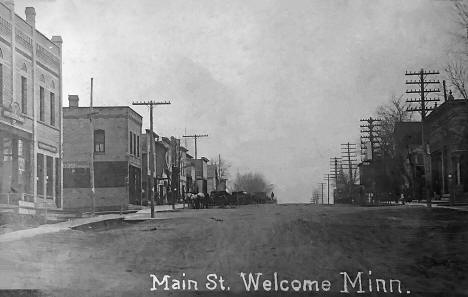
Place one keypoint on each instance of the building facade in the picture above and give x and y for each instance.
(114, 141)
(212, 177)
(201, 175)
(446, 131)
(30, 110)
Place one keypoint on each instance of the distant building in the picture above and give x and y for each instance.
(201, 174)
(117, 156)
(146, 168)
(189, 168)
(162, 151)
(30, 110)
(212, 177)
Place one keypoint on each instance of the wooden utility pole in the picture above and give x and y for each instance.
(195, 137)
(91, 161)
(370, 135)
(334, 173)
(322, 190)
(424, 110)
(327, 178)
(151, 103)
(348, 152)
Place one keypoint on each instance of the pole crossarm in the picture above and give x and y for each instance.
(151, 102)
(195, 137)
(423, 72)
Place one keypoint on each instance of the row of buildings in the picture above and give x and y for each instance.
(46, 150)
(437, 169)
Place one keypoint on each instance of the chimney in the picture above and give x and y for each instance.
(57, 40)
(73, 100)
(31, 16)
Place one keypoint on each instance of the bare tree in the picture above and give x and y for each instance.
(458, 76)
(222, 166)
(456, 70)
(391, 113)
(251, 183)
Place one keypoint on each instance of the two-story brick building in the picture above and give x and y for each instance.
(30, 110)
(117, 156)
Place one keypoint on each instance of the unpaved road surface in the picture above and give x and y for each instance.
(425, 249)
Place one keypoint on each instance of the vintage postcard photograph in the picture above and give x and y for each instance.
(233, 148)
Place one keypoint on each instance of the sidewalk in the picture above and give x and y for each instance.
(51, 228)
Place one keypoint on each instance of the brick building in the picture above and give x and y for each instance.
(117, 156)
(30, 110)
(446, 131)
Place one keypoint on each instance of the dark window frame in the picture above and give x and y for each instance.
(41, 104)
(52, 108)
(99, 141)
(24, 95)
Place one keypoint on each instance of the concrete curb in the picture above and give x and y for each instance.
(72, 223)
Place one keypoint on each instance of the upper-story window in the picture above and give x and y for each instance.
(41, 105)
(99, 141)
(138, 146)
(131, 143)
(52, 109)
(24, 95)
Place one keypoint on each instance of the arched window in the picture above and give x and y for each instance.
(99, 141)
(52, 85)
(42, 78)
(1, 53)
(24, 67)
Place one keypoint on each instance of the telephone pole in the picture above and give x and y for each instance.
(195, 137)
(322, 190)
(371, 134)
(327, 178)
(334, 173)
(151, 103)
(424, 109)
(91, 159)
(348, 152)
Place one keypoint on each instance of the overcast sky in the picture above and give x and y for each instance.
(278, 85)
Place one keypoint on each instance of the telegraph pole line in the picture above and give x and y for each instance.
(151, 104)
(424, 109)
(195, 137)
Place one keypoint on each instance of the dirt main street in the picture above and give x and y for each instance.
(425, 249)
